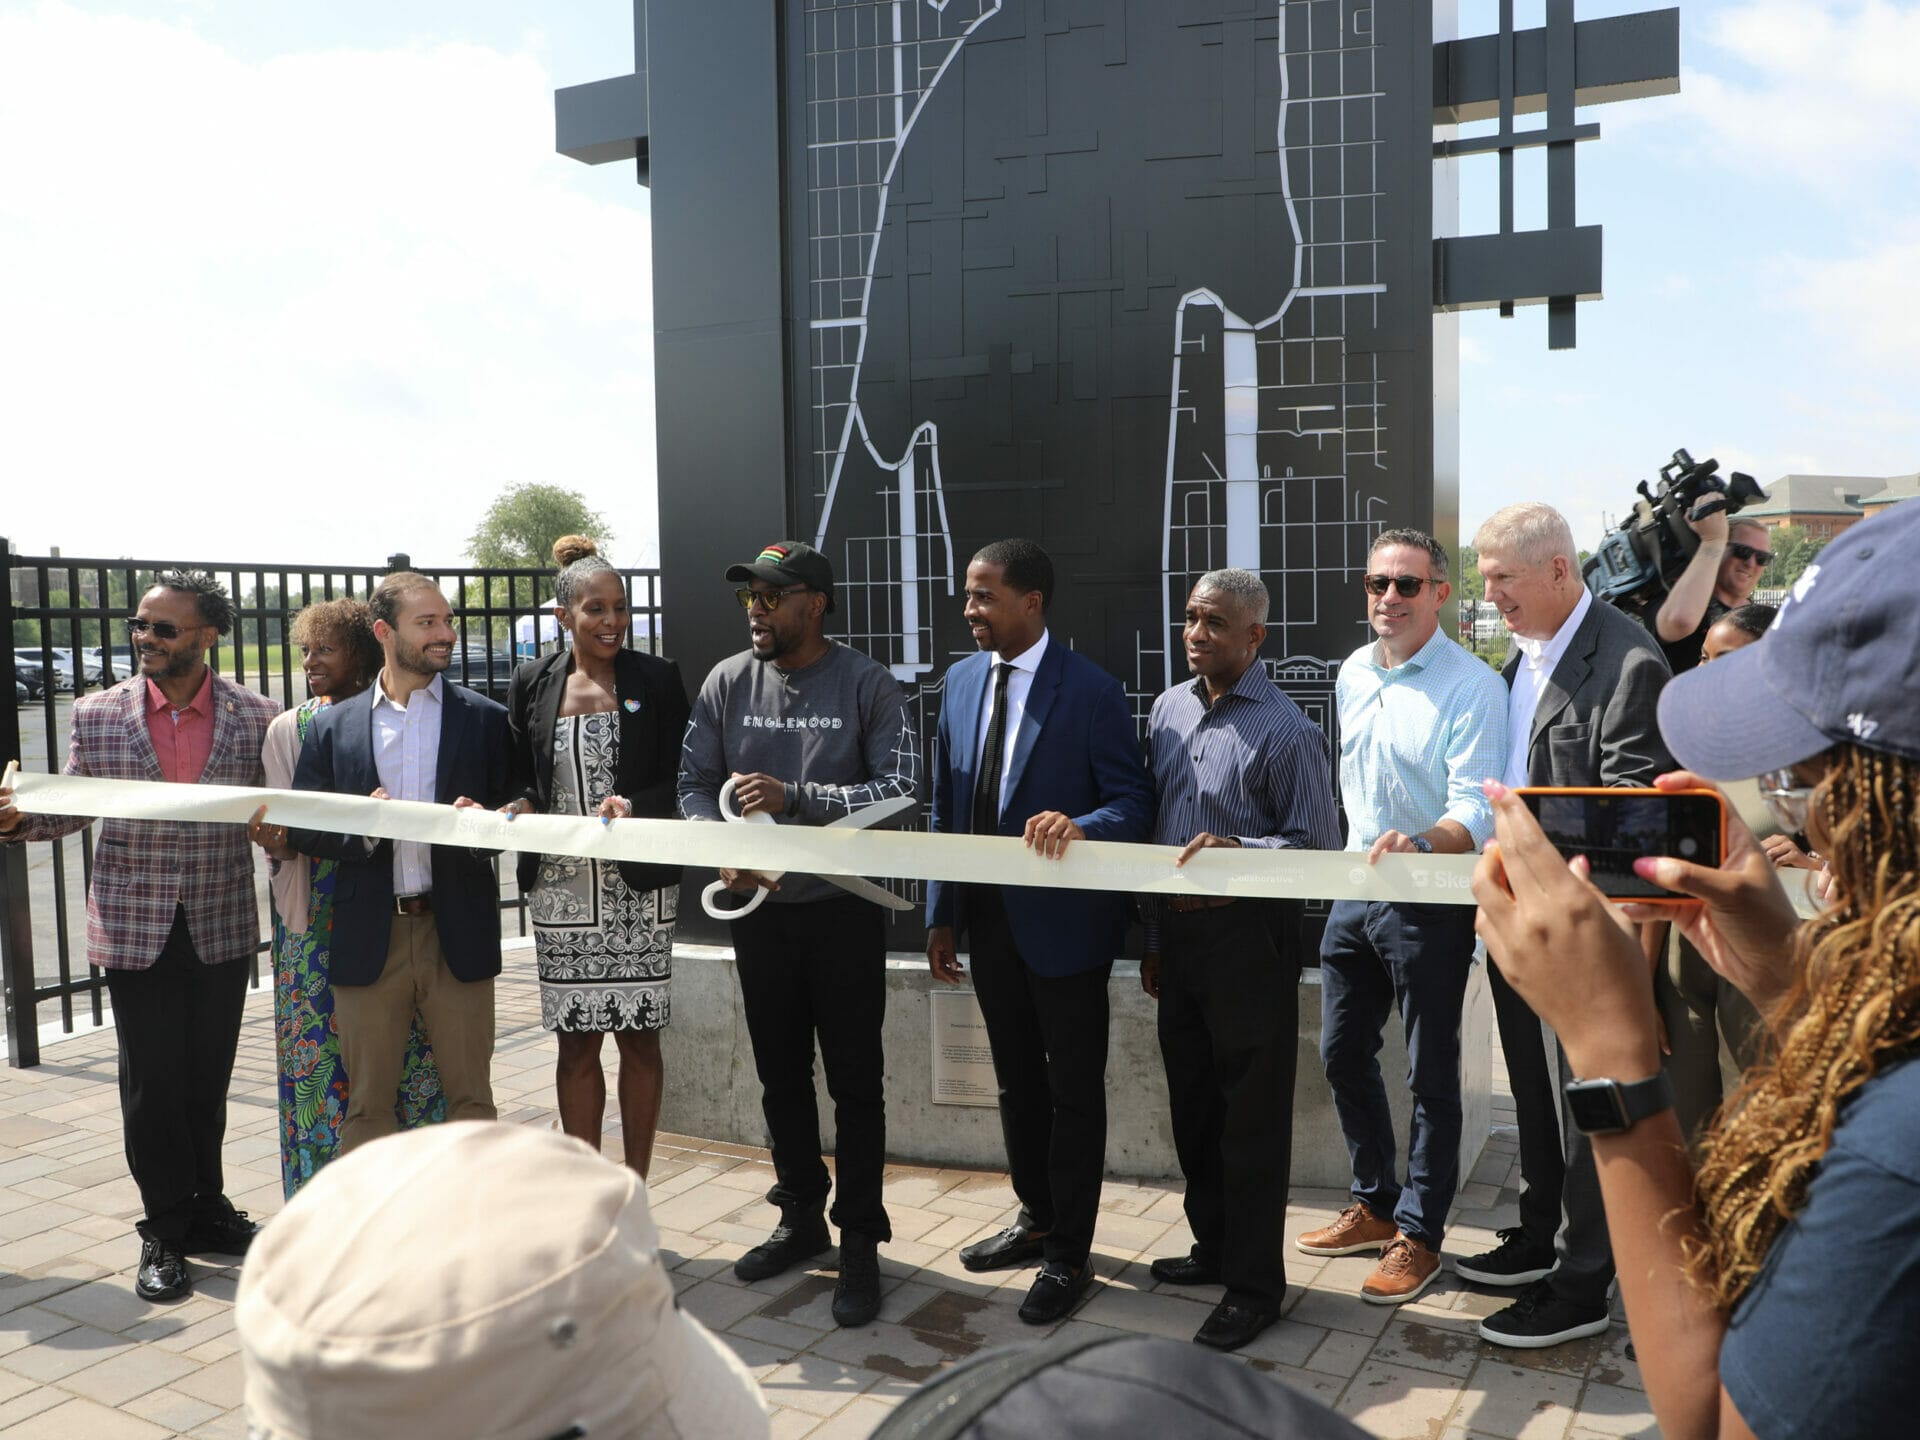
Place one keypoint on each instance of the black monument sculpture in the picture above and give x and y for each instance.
(1155, 284)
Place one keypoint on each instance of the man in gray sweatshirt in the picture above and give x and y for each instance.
(810, 731)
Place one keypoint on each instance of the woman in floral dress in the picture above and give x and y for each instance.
(340, 657)
(596, 731)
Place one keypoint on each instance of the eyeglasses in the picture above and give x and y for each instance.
(1787, 800)
(1407, 585)
(162, 629)
(1740, 550)
(768, 600)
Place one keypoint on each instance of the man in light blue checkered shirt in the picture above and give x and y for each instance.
(1422, 723)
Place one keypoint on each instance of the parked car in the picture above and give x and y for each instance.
(96, 660)
(32, 655)
(90, 669)
(21, 695)
(30, 673)
(470, 667)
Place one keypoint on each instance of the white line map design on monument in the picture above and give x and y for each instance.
(840, 307)
(1240, 499)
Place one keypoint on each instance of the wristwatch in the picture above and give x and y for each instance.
(1609, 1107)
(1421, 843)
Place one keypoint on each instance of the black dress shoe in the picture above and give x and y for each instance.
(794, 1239)
(219, 1229)
(1185, 1270)
(163, 1272)
(1231, 1326)
(1009, 1250)
(1056, 1290)
(856, 1296)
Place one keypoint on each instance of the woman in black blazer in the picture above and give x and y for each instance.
(596, 730)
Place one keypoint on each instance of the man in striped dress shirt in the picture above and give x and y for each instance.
(1422, 724)
(1235, 764)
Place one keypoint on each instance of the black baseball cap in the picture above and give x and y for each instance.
(1836, 666)
(789, 562)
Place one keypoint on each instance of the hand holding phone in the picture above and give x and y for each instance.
(1613, 828)
(1568, 951)
(1745, 924)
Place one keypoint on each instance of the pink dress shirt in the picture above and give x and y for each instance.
(182, 739)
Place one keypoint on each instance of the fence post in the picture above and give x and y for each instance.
(16, 909)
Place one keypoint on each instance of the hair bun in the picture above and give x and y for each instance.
(569, 548)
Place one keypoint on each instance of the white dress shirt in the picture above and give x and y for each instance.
(406, 753)
(1019, 685)
(1537, 661)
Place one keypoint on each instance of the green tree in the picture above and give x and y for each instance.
(267, 630)
(1793, 550)
(520, 527)
(1468, 588)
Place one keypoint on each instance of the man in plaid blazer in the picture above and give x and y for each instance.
(171, 916)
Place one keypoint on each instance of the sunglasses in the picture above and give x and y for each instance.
(768, 600)
(1407, 585)
(1740, 550)
(1787, 800)
(162, 629)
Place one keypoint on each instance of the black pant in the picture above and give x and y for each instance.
(1559, 1186)
(820, 968)
(177, 1023)
(1049, 1040)
(1699, 1006)
(1230, 1034)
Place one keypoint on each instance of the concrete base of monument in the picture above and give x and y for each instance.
(712, 1091)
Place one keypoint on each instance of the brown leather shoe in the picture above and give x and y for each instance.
(1406, 1268)
(1358, 1229)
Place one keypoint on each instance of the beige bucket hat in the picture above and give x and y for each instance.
(481, 1280)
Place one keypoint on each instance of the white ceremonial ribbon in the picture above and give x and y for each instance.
(1252, 874)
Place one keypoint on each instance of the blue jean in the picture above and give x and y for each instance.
(1372, 955)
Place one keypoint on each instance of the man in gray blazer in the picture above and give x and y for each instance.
(1583, 683)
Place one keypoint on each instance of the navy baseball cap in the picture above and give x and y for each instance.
(1836, 666)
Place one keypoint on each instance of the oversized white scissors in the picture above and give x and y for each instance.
(852, 884)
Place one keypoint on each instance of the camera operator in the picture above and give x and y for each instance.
(1775, 1295)
(1720, 577)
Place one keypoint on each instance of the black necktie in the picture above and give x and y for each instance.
(986, 791)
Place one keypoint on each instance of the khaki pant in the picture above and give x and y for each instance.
(374, 1021)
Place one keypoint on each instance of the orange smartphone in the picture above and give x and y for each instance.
(1614, 828)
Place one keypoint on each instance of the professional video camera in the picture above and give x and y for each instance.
(1637, 564)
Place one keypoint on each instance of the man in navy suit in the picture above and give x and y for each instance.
(414, 926)
(1037, 741)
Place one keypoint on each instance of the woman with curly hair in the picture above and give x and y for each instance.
(1778, 1292)
(340, 657)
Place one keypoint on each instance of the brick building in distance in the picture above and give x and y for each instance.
(1824, 505)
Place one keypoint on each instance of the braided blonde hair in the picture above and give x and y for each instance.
(1854, 1006)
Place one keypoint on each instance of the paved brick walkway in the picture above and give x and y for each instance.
(81, 1356)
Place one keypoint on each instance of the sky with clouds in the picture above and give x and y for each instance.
(272, 269)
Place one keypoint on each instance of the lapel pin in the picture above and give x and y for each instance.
(632, 706)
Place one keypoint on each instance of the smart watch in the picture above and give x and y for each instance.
(1609, 1107)
(1421, 843)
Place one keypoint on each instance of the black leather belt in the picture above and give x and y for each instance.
(1186, 904)
(421, 904)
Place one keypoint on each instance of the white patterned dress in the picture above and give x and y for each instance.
(605, 950)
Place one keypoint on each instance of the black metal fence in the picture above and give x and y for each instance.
(65, 620)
